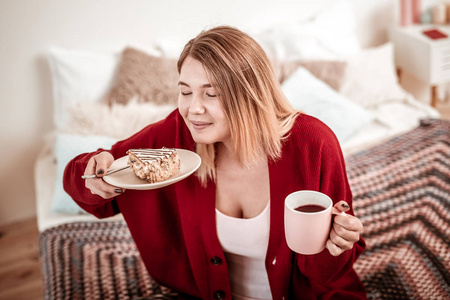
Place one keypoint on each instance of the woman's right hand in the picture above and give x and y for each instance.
(98, 165)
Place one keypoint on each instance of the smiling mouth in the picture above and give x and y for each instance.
(199, 125)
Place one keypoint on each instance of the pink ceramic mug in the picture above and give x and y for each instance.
(307, 232)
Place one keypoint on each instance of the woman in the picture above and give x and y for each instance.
(219, 234)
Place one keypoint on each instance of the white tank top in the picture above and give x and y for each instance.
(244, 242)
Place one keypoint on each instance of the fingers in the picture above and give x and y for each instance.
(344, 234)
(102, 162)
(340, 208)
(90, 168)
(348, 222)
(99, 187)
(98, 165)
(343, 238)
(333, 248)
(346, 230)
(337, 244)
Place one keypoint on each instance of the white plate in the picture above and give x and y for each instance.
(190, 161)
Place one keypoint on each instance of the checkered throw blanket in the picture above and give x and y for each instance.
(401, 193)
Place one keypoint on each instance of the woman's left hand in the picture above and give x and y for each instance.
(346, 230)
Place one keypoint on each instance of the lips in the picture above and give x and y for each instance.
(198, 125)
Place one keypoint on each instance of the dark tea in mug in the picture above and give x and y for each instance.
(310, 208)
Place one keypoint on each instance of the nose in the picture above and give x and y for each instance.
(196, 106)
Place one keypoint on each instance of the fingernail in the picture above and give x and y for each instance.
(118, 191)
(100, 172)
(345, 205)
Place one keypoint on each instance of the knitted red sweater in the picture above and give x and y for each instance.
(174, 227)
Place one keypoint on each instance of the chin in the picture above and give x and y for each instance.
(208, 136)
(203, 140)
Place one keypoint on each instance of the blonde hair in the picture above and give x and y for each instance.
(257, 111)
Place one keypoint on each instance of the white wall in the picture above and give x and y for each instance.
(29, 27)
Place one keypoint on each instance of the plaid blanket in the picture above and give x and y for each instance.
(401, 193)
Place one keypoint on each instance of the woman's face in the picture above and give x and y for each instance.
(199, 105)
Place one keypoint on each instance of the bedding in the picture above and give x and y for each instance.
(79, 75)
(314, 97)
(145, 77)
(45, 173)
(371, 77)
(84, 111)
(68, 146)
(396, 150)
(329, 35)
(401, 192)
(330, 72)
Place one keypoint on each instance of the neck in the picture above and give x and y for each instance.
(224, 151)
(225, 157)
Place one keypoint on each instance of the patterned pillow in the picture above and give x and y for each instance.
(146, 78)
(331, 72)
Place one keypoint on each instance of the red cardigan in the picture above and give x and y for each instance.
(174, 227)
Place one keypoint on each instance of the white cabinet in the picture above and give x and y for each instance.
(421, 56)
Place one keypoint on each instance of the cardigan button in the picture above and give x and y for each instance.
(219, 294)
(216, 261)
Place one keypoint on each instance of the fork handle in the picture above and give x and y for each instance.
(107, 173)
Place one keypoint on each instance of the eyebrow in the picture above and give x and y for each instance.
(207, 85)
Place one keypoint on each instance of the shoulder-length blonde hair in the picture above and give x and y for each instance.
(258, 113)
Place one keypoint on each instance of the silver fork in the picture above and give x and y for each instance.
(107, 173)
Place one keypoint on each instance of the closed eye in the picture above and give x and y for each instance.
(186, 93)
(210, 95)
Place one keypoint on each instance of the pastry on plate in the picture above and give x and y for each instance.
(154, 165)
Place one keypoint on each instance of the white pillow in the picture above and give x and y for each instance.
(79, 76)
(330, 35)
(67, 147)
(371, 79)
(314, 97)
(118, 120)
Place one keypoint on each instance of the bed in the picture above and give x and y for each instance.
(396, 148)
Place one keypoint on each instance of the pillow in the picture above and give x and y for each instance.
(94, 125)
(145, 77)
(315, 98)
(330, 72)
(79, 75)
(67, 147)
(118, 120)
(330, 35)
(371, 79)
